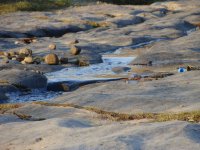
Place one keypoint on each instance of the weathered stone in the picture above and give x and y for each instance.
(28, 60)
(51, 59)
(25, 51)
(82, 61)
(75, 50)
(23, 62)
(23, 78)
(52, 46)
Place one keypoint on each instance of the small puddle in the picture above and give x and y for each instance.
(92, 72)
(35, 95)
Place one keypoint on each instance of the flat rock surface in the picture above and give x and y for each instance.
(161, 37)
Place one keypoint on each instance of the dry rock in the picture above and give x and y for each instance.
(28, 60)
(52, 46)
(51, 59)
(75, 50)
(25, 51)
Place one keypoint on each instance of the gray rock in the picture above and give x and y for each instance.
(23, 78)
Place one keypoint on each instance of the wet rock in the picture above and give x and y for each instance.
(22, 78)
(64, 60)
(25, 51)
(13, 62)
(7, 88)
(51, 59)
(28, 60)
(65, 87)
(120, 69)
(75, 50)
(52, 46)
(3, 97)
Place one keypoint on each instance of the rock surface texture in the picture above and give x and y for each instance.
(162, 37)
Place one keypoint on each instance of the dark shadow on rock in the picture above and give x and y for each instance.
(195, 49)
(45, 31)
(193, 132)
(74, 123)
(68, 86)
(129, 21)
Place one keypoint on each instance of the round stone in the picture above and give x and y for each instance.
(52, 46)
(25, 51)
(51, 59)
(28, 60)
(75, 50)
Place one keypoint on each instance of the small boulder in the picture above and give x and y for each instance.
(25, 51)
(52, 46)
(51, 59)
(28, 60)
(1, 53)
(12, 53)
(75, 50)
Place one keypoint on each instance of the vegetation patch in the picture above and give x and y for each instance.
(6, 107)
(27, 117)
(193, 116)
(97, 24)
(7, 6)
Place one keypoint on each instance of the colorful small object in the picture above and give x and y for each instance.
(181, 70)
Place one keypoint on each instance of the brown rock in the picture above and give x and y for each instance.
(23, 62)
(28, 60)
(75, 50)
(12, 53)
(51, 59)
(52, 46)
(1, 53)
(6, 54)
(25, 51)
